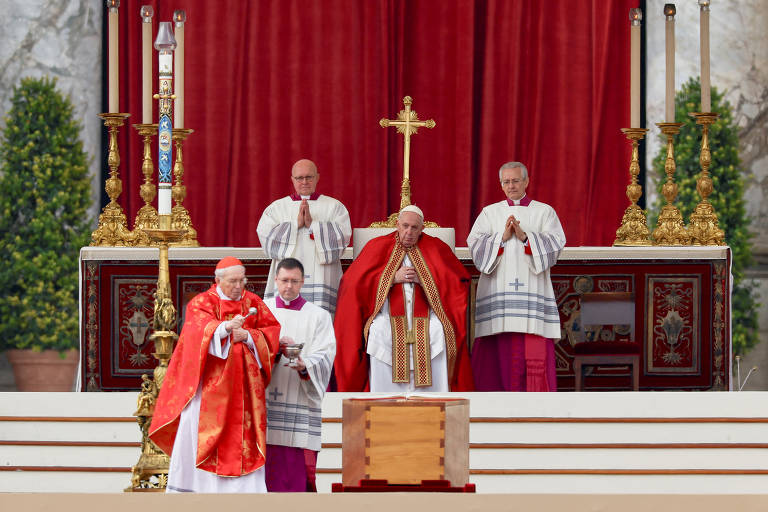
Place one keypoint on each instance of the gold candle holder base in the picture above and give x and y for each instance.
(146, 217)
(113, 225)
(670, 228)
(151, 471)
(634, 226)
(180, 218)
(703, 226)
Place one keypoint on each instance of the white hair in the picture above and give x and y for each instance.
(513, 165)
(219, 272)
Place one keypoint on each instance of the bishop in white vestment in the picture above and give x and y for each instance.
(312, 228)
(514, 244)
(295, 394)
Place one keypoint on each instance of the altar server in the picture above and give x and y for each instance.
(295, 394)
(310, 227)
(514, 244)
(210, 416)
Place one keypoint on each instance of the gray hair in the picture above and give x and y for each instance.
(219, 272)
(513, 165)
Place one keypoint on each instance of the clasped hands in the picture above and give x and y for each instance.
(512, 228)
(406, 275)
(235, 328)
(305, 218)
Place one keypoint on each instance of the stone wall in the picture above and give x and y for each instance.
(61, 39)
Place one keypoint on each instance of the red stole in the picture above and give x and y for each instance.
(232, 425)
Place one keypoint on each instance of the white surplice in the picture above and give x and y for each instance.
(514, 293)
(294, 405)
(318, 248)
(183, 475)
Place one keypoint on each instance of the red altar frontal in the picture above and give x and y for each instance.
(681, 295)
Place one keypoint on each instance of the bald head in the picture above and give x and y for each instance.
(305, 177)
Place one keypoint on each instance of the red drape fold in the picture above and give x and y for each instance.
(269, 82)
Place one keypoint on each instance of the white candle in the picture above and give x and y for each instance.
(179, 17)
(146, 63)
(112, 56)
(635, 16)
(669, 11)
(706, 102)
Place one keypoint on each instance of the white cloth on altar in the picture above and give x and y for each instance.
(318, 248)
(294, 405)
(380, 347)
(514, 293)
(183, 475)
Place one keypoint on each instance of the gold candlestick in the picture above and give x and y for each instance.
(113, 225)
(151, 471)
(634, 226)
(670, 229)
(146, 217)
(703, 225)
(180, 218)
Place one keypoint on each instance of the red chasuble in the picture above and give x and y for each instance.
(366, 284)
(233, 421)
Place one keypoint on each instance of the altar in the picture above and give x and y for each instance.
(681, 295)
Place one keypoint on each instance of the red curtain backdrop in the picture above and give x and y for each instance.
(269, 82)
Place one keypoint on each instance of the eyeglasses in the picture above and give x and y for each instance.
(507, 183)
(294, 282)
(304, 178)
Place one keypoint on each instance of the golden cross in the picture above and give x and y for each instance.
(407, 123)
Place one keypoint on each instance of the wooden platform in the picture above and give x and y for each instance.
(530, 443)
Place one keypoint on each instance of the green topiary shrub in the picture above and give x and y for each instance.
(45, 192)
(727, 197)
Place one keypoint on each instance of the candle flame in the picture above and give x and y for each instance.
(147, 12)
(635, 15)
(113, 4)
(670, 10)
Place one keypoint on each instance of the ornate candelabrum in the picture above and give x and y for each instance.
(113, 226)
(634, 226)
(703, 225)
(180, 218)
(146, 217)
(151, 471)
(670, 229)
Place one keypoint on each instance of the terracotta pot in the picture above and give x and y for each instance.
(43, 371)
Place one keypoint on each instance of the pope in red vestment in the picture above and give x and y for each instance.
(232, 424)
(375, 276)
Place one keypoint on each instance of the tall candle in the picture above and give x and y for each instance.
(179, 17)
(706, 102)
(669, 12)
(165, 44)
(113, 77)
(635, 17)
(146, 63)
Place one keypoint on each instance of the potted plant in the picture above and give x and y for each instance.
(45, 192)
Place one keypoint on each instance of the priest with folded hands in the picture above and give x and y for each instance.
(401, 317)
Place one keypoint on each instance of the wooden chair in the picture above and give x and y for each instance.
(607, 308)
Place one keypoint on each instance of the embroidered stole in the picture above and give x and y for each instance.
(418, 336)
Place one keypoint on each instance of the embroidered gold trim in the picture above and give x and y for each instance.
(433, 296)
